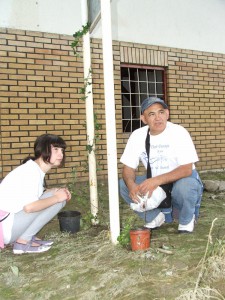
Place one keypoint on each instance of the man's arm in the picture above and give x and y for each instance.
(150, 184)
(129, 176)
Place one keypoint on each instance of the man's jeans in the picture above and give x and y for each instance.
(186, 199)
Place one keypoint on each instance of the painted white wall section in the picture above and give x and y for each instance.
(192, 24)
(54, 16)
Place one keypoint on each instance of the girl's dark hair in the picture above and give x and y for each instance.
(42, 146)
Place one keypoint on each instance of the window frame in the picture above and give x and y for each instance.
(164, 91)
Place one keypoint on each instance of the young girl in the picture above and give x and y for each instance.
(24, 206)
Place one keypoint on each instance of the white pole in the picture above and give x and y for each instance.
(110, 120)
(89, 115)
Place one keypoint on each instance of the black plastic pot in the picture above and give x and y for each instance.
(69, 221)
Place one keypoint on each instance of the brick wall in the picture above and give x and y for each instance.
(40, 84)
(196, 90)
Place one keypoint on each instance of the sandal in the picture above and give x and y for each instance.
(19, 248)
(41, 242)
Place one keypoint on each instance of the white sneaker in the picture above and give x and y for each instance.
(157, 222)
(187, 228)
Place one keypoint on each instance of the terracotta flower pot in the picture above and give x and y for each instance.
(140, 239)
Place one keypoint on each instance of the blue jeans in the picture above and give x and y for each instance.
(186, 199)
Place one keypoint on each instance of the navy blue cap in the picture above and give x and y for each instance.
(150, 101)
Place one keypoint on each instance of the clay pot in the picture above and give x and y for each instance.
(140, 239)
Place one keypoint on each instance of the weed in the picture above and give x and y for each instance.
(124, 237)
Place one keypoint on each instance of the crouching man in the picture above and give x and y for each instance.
(169, 156)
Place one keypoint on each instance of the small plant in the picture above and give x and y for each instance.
(124, 237)
(88, 220)
(79, 194)
(80, 197)
(71, 184)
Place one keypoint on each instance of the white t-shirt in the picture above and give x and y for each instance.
(21, 186)
(168, 150)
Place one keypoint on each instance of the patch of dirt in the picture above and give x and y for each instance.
(86, 265)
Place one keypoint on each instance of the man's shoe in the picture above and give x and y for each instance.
(187, 228)
(28, 248)
(41, 242)
(157, 222)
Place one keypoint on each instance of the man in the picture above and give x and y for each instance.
(171, 156)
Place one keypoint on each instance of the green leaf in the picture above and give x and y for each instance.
(15, 270)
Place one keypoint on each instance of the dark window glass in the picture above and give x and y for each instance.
(135, 124)
(159, 76)
(143, 87)
(126, 100)
(124, 73)
(151, 88)
(134, 87)
(142, 75)
(133, 74)
(151, 75)
(143, 97)
(125, 87)
(126, 125)
(159, 88)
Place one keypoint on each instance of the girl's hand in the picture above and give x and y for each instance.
(62, 194)
(52, 190)
(68, 195)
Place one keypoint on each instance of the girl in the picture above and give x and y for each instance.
(24, 206)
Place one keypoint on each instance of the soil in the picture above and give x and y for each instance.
(87, 265)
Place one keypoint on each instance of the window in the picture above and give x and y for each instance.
(138, 83)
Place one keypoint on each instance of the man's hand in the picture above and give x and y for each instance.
(148, 186)
(133, 191)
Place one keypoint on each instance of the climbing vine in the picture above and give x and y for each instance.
(83, 91)
(87, 82)
(78, 37)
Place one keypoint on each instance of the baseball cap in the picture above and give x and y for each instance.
(150, 101)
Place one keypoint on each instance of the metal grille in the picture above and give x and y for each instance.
(136, 85)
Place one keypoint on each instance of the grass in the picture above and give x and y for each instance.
(86, 265)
